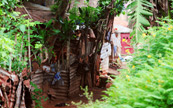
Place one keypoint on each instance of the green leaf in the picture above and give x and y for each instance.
(49, 23)
(132, 5)
(80, 10)
(144, 12)
(139, 105)
(147, 4)
(154, 96)
(169, 90)
(143, 21)
(22, 28)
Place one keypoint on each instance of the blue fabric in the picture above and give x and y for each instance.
(108, 36)
(57, 76)
(115, 49)
(53, 67)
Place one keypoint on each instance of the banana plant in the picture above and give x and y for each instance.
(139, 11)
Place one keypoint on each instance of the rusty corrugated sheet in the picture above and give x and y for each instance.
(34, 17)
(9, 82)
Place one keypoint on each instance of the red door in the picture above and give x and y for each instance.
(125, 43)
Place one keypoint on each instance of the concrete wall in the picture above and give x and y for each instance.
(92, 3)
(43, 2)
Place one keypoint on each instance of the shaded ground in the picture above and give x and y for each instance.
(97, 94)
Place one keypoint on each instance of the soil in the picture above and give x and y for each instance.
(97, 94)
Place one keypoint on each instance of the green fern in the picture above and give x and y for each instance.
(139, 9)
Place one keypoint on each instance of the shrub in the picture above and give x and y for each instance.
(148, 83)
(157, 41)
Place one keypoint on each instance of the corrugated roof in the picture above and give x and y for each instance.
(122, 29)
(37, 12)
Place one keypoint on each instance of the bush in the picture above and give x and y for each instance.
(148, 83)
(156, 43)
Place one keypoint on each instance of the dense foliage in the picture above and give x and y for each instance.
(148, 82)
(157, 42)
(9, 28)
(14, 29)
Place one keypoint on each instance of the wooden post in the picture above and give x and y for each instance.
(46, 53)
(20, 58)
(59, 65)
(68, 54)
(62, 58)
(86, 42)
(41, 54)
(29, 48)
(68, 62)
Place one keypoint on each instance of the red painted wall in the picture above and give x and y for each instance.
(125, 43)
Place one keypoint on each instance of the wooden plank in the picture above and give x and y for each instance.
(65, 87)
(75, 82)
(75, 87)
(61, 91)
(60, 95)
(76, 78)
(75, 91)
(72, 76)
(54, 97)
(74, 67)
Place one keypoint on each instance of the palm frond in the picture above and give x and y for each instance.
(138, 10)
